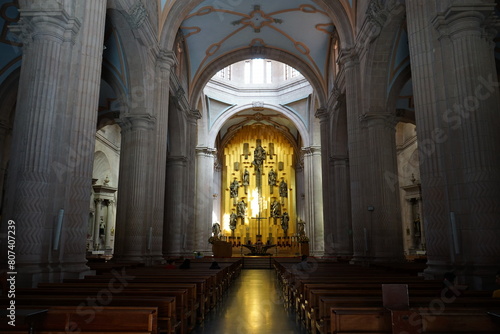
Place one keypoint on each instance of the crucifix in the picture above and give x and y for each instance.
(258, 218)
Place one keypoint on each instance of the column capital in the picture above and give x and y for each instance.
(378, 14)
(323, 114)
(459, 20)
(311, 150)
(166, 59)
(339, 157)
(46, 23)
(194, 114)
(209, 152)
(136, 122)
(177, 160)
(336, 99)
(348, 57)
(372, 119)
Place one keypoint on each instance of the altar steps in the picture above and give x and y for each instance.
(257, 262)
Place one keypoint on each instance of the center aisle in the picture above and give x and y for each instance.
(252, 306)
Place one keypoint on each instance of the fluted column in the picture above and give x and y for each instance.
(357, 149)
(165, 62)
(82, 119)
(190, 176)
(385, 239)
(341, 206)
(174, 234)
(109, 225)
(134, 207)
(458, 135)
(205, 157)
(4, 131)
(328, 214)
(48, 37)
(314, 200)
(97, 222)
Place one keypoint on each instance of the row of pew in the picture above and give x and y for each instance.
(333, 298)
(125, 299)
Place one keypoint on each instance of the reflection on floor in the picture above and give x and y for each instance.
(252, 306)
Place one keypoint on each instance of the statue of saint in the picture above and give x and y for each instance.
(241, 209)
(216, 230)
(283, 189)
(284, 221)
(275, 209)
(301, 228)
(272, 177)
(233, 218)
(246, 178)
(259, 155)
(233, 189)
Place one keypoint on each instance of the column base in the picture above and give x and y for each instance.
(475, 276)
(30, 275)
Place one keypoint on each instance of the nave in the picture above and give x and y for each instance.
(319, 297)
(253, 305)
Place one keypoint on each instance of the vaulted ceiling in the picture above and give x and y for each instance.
(216, 28)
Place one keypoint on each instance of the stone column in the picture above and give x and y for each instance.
(341, 206)
(314, 200)
(81, 113)
(452, 56)
(328, 214)
(48, 37)
(205, 158)
(164, 64)
(357, 149)
(97, 221)
(4, 132)
(173, 235)
(109, 225)
(133, 209)
(384, 226)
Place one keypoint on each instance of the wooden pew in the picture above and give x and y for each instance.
(421, 320)
(326, 304)
(166, 305)
(183, 315)
(109, 320)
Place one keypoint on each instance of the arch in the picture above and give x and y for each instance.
(379, 61)
(218, 124)
(136, 59)
(273, 54)
(396, 88)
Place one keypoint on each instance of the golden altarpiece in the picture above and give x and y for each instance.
(259, 185)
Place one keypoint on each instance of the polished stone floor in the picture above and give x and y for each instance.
(252, 306)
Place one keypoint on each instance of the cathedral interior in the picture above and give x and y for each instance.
(140, 130)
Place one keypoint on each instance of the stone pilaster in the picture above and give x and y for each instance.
(174, 230)
(457, 125)
(48, 37)
(385, 239)
(134, 206)
(190, 192)
(341, 206)
(205, 158)
(314, 200)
